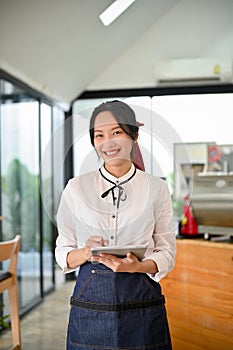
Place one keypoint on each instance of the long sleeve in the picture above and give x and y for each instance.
(66, 240)
(164, 236)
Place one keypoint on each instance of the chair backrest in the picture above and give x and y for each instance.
(9, 251)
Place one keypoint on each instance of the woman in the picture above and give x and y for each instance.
(117, 302)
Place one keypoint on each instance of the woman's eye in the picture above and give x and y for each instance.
(98, 136)
(117, 132)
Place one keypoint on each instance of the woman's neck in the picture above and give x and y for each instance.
(118, 171)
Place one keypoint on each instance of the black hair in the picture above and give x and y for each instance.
(123, 114)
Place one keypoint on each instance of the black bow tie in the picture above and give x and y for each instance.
(122, 196)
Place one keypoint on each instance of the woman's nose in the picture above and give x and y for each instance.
(109, 142)
(109, 138)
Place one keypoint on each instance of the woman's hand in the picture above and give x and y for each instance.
(128, 264)
(79, 256)
(96, 241)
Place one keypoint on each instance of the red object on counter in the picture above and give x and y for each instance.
(188, 223)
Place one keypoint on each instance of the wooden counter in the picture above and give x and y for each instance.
(199, 296)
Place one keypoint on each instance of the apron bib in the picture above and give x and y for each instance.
(116, 311)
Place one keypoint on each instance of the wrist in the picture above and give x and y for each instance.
(77, 257)
(87, 253)
(148, 266)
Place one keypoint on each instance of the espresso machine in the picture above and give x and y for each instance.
(207, 195)
(212, 202)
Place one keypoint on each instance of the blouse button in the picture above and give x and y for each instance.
(112, 237)
(113, 216)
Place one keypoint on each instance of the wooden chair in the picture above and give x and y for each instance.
(8, 281)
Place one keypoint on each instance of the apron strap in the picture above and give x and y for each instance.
(117, 307)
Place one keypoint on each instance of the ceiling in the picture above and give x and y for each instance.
(61, 47)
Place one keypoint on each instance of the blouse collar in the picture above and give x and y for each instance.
(118, 179)
(117, 185)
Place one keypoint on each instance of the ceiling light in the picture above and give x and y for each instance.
(114, 11)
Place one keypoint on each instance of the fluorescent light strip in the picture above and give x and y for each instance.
(114, 11)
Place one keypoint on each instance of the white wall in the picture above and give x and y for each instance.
(200, 28)
(62, 49)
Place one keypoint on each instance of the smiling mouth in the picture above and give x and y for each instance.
(111, 153)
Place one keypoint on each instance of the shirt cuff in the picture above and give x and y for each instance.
(61, 258)
(162, 265)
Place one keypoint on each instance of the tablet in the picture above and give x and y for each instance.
(121, 251)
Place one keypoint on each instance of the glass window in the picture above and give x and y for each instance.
(31, 169)
(58, 142)
(189, 119)
(195, 121)
(46, 195)
(58, 145)
(167, 119)
(20, 184)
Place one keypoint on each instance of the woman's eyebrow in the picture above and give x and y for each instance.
(115, 127)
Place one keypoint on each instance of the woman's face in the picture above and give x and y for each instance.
(111, 142)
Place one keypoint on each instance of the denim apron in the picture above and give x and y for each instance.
(116, 311)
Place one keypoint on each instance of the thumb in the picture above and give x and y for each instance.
(106, 242)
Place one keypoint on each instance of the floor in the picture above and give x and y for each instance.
(44, 328)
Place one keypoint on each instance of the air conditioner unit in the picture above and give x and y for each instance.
(193, 71)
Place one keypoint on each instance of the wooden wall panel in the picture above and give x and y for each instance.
(199, 296)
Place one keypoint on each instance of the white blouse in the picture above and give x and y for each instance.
(139, 211)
